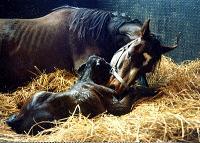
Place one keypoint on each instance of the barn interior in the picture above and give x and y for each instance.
(172, 115)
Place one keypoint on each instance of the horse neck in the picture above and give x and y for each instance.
(86, 77)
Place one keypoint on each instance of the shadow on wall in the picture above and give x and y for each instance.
(37, 8)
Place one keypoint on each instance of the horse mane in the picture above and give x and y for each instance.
(63, 7)
(90, 24)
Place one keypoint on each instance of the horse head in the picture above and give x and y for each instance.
(33, 112)
(138, 57)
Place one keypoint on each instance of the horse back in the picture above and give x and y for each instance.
(40, 42)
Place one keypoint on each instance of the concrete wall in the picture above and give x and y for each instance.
(168, 17)
(36, 8)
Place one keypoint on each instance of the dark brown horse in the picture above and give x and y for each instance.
(89, 93)
(62, 39)
(100, 87)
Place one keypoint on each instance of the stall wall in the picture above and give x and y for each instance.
(37, 8)
(168, 18)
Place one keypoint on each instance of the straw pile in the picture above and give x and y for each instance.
(173, 115)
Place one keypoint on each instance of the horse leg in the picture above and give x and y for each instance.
(141, 91)
(111, 103)
(120, 107)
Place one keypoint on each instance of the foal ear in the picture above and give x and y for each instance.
(145, 32)
(81, 69)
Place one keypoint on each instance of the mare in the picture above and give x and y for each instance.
(62, 39)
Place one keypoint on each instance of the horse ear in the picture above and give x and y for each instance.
(145, 32)
(165, 49)
(81, 69)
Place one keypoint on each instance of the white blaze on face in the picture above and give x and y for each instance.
(117, 58)
(133, 74)
(147, 58)
(131, 46)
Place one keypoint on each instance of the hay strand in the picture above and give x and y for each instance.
(173, 115)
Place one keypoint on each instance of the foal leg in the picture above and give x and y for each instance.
(111, 103)
(124, 106)
(142, 91)
(120, 107)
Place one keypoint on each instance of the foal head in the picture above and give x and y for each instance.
(43, 107)
(140, 56)
(95, 69)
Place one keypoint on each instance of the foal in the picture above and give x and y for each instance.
(90, 93)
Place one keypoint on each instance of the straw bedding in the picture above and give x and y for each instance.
(173, 115)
